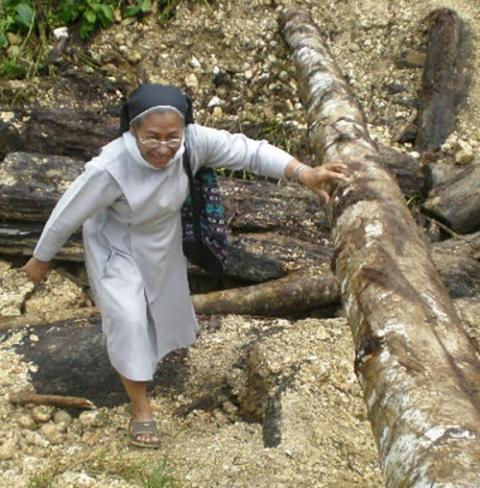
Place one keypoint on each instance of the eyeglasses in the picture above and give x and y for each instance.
(155, 143)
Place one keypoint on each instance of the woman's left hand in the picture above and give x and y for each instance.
(315, 178)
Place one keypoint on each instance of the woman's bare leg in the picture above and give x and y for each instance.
(141, 409)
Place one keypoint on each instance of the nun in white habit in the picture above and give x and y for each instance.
(129, 200)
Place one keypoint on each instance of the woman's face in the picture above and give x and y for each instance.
(157, 128)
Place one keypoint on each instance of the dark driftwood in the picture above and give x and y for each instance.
(456, 261)
(445, 79)
(75, 133)
(81, 133)
(71, 360)
(456, 203)
(439, 172)
(419, 371)
(408, 172)
(24, 398)
(10, 139)
(272, 225)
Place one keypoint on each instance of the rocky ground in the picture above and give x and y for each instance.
(230, 58)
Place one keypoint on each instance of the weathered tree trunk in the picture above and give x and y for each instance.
(418, 370)
(456, 203)
(297, 292)
(445, 80)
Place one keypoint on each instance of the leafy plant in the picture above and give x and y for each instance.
(142, 7)
(34, 21)
(15, 16)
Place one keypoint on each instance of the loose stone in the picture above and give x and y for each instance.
(42, 413)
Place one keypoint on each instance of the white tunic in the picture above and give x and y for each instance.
(133, 239)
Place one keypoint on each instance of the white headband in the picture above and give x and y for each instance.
(160, 108)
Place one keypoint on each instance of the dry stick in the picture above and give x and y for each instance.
(17, 322)
(417, 368)
(23, 398)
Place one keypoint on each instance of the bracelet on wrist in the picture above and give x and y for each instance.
(298, 171)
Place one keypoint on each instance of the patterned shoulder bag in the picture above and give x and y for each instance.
(203, 220)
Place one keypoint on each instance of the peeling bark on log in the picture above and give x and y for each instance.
(456, 203)
(297, 292)
(418, 370)
(445, 80)
(55, 400)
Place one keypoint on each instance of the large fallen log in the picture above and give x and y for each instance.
(456, 203)
(81, 133)
(273, 225)
(445, 79)
(418, 370)
(314, 287)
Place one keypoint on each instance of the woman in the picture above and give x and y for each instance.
(129, 200)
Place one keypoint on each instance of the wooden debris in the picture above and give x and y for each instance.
(24, 398)
(445, 78)
(456, 203)
(75, 133)
(27, 320)
(70, 359)
(419, 371)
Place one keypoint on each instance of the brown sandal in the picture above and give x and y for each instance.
(139, 427)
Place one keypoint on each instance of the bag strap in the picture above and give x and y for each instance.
(196, 199)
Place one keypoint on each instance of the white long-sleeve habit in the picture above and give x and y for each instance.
(133, 240)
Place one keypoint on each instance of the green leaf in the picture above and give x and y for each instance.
(131, 11)
(86, 29)
(11, 3)
(25, 15)
(90, 17)
(11, 69)
(3, 40)
(145, 6)
(68, 12)
(105, 14)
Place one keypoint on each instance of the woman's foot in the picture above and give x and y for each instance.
(142, 430)
(143, 433)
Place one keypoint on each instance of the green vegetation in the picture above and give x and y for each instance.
(26, 28)
(143, 472)
(159, 477)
